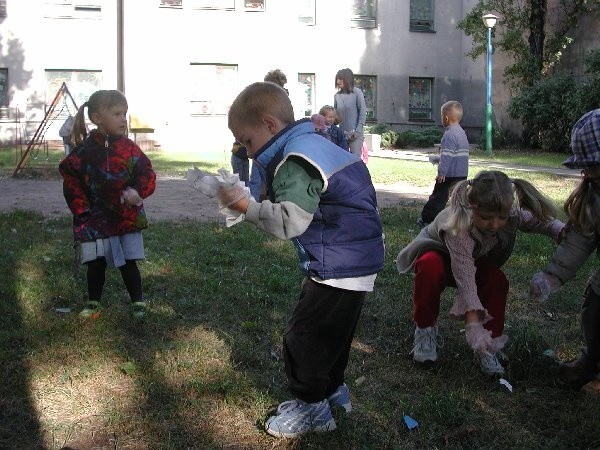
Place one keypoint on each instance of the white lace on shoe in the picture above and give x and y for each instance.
(489, 364)
(426, 343)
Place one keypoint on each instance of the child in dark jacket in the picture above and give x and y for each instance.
(583, 211)
(323, 199)
(336, 135)
(106, 177)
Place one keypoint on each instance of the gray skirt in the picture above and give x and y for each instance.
(115, 249)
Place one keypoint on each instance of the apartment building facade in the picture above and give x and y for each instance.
(180, 63)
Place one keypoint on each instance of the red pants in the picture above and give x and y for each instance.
(433, 274)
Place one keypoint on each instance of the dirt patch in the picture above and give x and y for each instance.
(173, 200)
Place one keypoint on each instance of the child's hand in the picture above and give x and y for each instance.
(130, 197)
(230, 196)
(542, 285)
(478, 338)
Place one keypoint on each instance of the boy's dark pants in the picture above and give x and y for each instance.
(317, 339)
(438, 198)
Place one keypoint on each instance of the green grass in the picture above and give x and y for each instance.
(526, 158)
(205, 368)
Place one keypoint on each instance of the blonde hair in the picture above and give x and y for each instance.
(326, 108)
(98, 101)
(493, 191)
(452, 109)
(580, 205)
(259, 99)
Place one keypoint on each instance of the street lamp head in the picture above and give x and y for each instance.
(490, 20)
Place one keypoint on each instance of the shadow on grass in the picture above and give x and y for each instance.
(19, 426)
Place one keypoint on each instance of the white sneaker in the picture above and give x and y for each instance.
(426, 343)
(489, 364)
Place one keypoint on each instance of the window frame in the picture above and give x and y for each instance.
(310, 96)
(422, 25)
(4, 100)
(217, 5)
(307, 12)
(218, 104)
(75, 9)
(175, 4)
(360, 16)
(411, 109)
(78, 89)
(368, 85)
(255, 6)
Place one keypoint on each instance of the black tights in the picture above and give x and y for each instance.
(96, 275)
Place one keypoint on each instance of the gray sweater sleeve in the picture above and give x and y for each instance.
(283, 220)
(570, 255)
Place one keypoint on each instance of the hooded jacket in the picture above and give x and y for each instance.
(95, 175)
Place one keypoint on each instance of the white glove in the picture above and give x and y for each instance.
(498, 343)
(542, 285)
(478, 338)
(131, 197)
(228, 196)
(226, 187)
(210, 185)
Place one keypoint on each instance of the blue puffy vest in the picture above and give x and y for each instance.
(345, 237)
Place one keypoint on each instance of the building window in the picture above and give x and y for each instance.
(171, 3)
(368, 85)
(306, 12)
(419, 98)
(421, 15)
(213, 88)
(74, 9)
(250, 5)
(306, 84)
(2, 8)
(3, 87)
(81, 84)
(212, 4)
(364, 14)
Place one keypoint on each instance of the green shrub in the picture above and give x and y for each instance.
(378, 128)
(427, 137)
(388, 139)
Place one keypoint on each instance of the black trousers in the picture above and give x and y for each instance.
(317, 339)
(96, 275)
(438, 198)
(590, 327)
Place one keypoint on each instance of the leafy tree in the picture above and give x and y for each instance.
(534, 40)
(525, 32)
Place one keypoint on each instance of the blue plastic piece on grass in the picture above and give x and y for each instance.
(410, 422)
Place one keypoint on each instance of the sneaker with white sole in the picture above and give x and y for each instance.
(341, 397)
(489, 364)
(295, 417)
(425, 345)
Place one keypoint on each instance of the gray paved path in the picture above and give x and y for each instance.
(423, 155)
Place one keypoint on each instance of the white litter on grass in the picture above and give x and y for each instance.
(507, 384)
(62, 310)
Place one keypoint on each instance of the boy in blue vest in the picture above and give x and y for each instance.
(322, 198)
